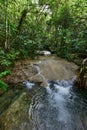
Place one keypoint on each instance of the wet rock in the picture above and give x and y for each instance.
(16, 115)
(44, 52)
(41, 70)
(8, 97)
(44, 83)
(21, 73)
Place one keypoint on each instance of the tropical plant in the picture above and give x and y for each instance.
(3, 85)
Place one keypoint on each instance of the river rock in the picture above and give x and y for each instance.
(44, 52)
(54, 69)
(41, 70)
(16, 116)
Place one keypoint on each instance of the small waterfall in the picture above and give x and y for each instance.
(58, 92)
(58, 107)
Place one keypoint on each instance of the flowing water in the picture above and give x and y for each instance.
(58, 107)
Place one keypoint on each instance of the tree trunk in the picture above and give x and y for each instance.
(6, 25)
(23, 16)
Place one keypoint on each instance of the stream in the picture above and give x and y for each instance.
(44, 103)
(58, 107)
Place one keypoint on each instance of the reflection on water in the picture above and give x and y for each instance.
(58, 107)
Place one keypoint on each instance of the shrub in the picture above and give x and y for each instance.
(3, 85)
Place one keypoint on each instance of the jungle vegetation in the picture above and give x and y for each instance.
(26, 26)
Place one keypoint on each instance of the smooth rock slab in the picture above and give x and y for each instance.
(41, 70)
(16, 116)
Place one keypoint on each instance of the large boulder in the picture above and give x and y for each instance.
(16, 116)
(41, 70)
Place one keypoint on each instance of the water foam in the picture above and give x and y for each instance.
(28, 85)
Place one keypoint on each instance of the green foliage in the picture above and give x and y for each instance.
(27, 26)
(82, 77)
(64, 18)
(3, 85)
(7, 59)
(7, 72)
(30, 47)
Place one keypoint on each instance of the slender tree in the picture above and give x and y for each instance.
(6, 25)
